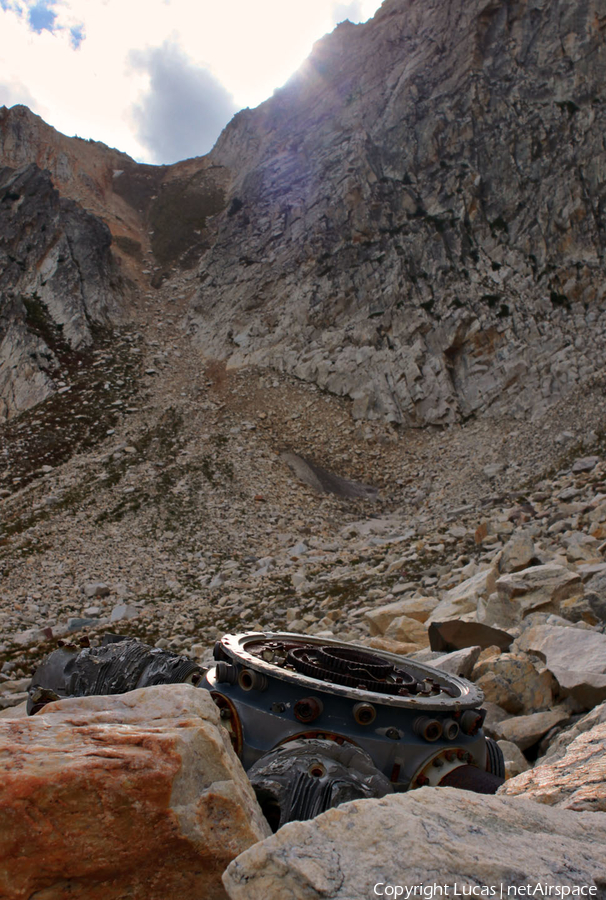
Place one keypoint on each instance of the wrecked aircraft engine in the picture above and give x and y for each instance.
(315, 722)
(117, 666)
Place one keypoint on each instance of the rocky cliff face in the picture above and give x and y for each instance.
(79, 223)
(416, 221)
(58, 282)
(155, 213)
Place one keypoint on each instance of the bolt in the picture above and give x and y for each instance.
(393, 733)
(308, 709)
(422, 779)
(438, 763)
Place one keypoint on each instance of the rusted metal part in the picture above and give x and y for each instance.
(308, 709)
(349, 695)
(471, 778)
(315, 722)
(268, 653)
(113, 668)
(304, 778)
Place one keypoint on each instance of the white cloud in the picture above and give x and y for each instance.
(79, 74)
(13, 92)
(184, 109)
(351, 11)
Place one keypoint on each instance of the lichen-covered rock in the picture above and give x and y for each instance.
(439, 835)
(137, 794)
(514, 682)
(576, 780)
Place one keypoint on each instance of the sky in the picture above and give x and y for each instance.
(158, 79)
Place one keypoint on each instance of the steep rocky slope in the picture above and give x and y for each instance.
(58, 283)
(416, 220)
(159, 210)
(414, 224)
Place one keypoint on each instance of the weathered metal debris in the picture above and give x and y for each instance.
(315, 722)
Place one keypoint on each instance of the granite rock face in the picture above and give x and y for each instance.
(451, 837)
(415, 220)
(58, 281)
(576, 780)
(137, 794)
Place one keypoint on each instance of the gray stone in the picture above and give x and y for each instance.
(576, 656)
(525, 731)
(460, 662)
(517, 553)
(450, 838)
(585, 464)
(418, 608)
(515, 761)
(443, 361)
(539, 587)
(66, 275)
(456, 635)
(95, 589)
(76, 623)
(123, 611)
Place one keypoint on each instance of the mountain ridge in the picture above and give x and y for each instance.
(415, 221)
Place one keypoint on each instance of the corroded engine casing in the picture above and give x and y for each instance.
(417, 723)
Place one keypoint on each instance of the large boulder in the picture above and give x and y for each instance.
(515, 683)
(538, 587)
(513, 758)
(463, 599)
(517, 553)
(525, 731)
(418, 608)
(576, 656)
(576, 780)
(431, 835)
(137, 795)
(407, 630)
(456, 634)
(460, 662)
